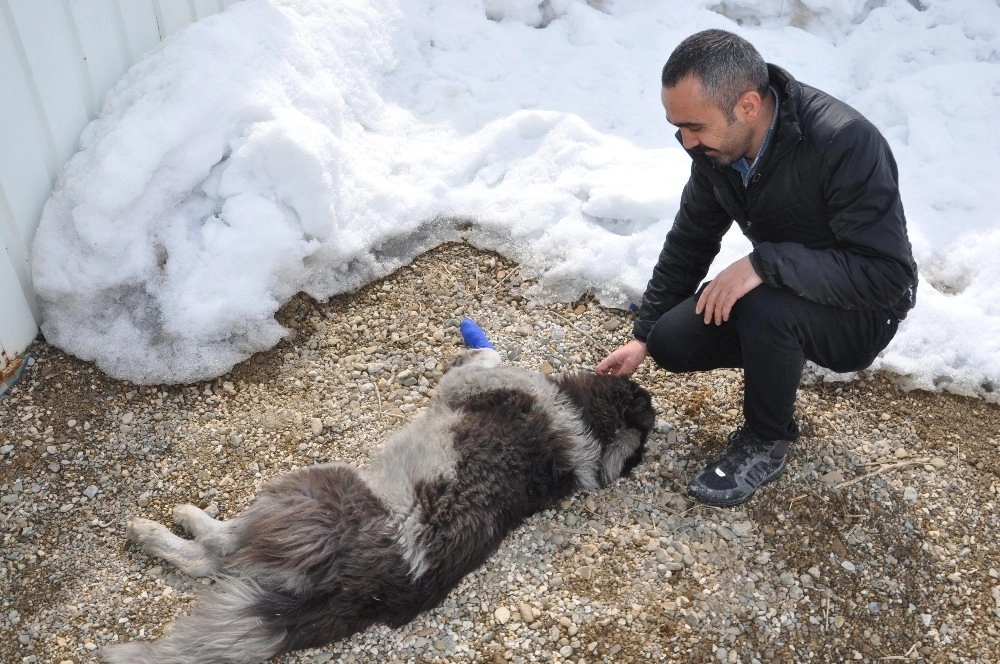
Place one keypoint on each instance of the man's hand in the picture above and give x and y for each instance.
(623, 361)
(718, 298)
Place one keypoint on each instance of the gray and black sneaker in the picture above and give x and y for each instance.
(747, 464)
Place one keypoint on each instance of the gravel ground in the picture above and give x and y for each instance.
(877, 544)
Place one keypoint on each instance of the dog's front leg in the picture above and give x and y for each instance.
(465, 375)
(483, 358)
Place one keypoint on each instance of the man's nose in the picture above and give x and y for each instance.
(688, 139)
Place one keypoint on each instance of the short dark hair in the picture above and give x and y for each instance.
(726, 64)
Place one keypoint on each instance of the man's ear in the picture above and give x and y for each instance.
(748, 107)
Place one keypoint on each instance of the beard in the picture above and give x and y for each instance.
(719, 159)
(734, 146)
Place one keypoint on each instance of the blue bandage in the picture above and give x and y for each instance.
(473, 335)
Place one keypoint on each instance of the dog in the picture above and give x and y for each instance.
(328, 550)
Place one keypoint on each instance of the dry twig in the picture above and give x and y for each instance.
(378, 395)
(600, 346)
(883, 469)
(516, 268)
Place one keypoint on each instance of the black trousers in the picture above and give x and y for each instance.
(770, 334)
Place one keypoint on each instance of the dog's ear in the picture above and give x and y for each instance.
(639, 413)
(633, 403)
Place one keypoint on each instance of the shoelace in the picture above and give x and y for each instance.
(741, 446)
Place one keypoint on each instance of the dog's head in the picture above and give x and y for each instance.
(619, 413)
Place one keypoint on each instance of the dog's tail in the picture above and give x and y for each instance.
(222, 629)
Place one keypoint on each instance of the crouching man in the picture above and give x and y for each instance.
(813, 185)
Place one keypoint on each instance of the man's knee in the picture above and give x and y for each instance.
(671, 347)
(668, 357)
(767, 310)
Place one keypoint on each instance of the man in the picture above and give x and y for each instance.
(814, 187)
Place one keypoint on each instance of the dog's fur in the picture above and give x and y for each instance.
(328, 550)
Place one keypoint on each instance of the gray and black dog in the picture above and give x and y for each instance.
(328, 550)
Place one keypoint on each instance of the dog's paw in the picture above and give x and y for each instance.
(187, 516)
(483, 357)
(140, 530)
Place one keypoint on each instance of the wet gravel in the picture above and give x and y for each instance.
(877, 545)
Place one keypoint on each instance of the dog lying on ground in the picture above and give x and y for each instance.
(328, 550)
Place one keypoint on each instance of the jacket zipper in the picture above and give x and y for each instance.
(759, 174)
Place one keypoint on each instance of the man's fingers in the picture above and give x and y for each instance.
(728, 308)
(611, 369)
(609, 364)
(708, 300)
(624, 360)
(722, 310)
(717, 300)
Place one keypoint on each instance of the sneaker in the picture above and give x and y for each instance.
(747, 464)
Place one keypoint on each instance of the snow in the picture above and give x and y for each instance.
(305, 145)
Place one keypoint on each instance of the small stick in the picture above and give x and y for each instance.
(883, 469)
(518, 267)
(877, 463)
(405, 337)
(378, 395)
(600, 345)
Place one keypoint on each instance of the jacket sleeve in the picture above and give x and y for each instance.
(691, 245)
(871, 267)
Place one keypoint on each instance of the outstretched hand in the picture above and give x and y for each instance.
(717, 300)
(623, 361)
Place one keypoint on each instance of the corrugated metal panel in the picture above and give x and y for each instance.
(58, 58)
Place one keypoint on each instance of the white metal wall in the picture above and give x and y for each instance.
(57, 60)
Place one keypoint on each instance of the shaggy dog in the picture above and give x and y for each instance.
(328, 550)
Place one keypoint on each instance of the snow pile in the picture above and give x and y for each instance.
(302, 145)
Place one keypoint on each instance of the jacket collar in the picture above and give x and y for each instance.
(789, 129)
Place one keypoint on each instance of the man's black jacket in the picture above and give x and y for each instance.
(822, 211)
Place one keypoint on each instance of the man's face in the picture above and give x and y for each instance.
(703, 125)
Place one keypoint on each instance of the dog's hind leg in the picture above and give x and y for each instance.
(189, 556)
(220, 537)
(194, 520)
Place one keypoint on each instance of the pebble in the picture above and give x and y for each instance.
(527, 615)
(833, 477)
